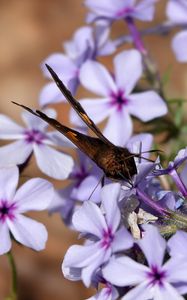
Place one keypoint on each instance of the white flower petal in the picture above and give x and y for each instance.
(176, 10)
(50, 94)
(110, 195)
(122, 240)
(128, 69)
(96, 78)
(8, 182)
(35, 194)
(179, 43)
(141, 292)
(119, 127)
(15, 153)
(28, 232)
(89, 219)
(10, 129)
(5, 243)
(53, 163)
(140, 104)
(34, 122)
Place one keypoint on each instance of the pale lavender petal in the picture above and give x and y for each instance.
(96, 78)
(89, 219)
(73, 274)
(122, 240)
(33, 122)
(140, 142)
(141, 292)
(179, 43)
(97, 110)
(140, 103)
(106, 8)
(8, 181)
(62, 65)
(167, 292)
(176, 10)
(109, 196)
(59, 139)
(6, 243)
(53, 163)
(89, 189)
(9, 129)
(15, 153)
(176, 269)
(124, 271)
(144, 10)
(107, 293)
(177, 244)
(128, 70)
(28, 232)
(35, 194)
(152, 237)
(49, 94)
(119, 127)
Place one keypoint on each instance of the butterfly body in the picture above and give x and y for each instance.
(116, 162)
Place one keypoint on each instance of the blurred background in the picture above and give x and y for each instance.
(29, 32)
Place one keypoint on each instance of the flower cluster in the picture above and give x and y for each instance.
(133, 229)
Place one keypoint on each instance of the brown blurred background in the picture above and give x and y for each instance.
(29, 32)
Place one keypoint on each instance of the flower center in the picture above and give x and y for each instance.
(156, 276)
(34, 136)
(6, 210)
(118, 99)
(107, 238)
(126, 11)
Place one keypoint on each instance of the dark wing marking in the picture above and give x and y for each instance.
(87, 144)
(77, 106)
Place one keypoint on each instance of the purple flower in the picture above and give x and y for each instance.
(85, 185)
(33, 139)
(87, 43)
(108, 292)
(156, 281)
(120, 9)
(34, 195)
(177, 13)
(104, 236)
(116, 100)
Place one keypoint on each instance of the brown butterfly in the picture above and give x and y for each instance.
(116, 162)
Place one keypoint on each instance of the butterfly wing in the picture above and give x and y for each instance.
(77, 106)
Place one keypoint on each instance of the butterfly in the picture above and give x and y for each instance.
(117, 163)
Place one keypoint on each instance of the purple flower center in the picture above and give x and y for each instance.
(126, 11)
(107, 239)
(118, 99)
(156, 276)
(79, 175)
(6, 210)
(34, 136)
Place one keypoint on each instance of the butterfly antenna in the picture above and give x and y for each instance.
(100, 181)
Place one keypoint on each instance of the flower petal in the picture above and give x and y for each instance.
(33, 122)
(177, 10)
(35, 194)
(89, 219)
(178, 45)
(97, 110)
(10, 129)
(128, 69)
(96, 78)
(140, 103)
(6, 243)
(28, 232)
(140, 142)
(8, 181)
(119, 127)
(123, 271)
(144, 10)
(52, 162)
(152, 237)
(122, 240)
(49, 94)
(109, 196)
(177, 244)
(141, 292)
(15, 153)
(176, 269)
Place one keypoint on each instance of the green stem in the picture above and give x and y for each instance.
(13, 294)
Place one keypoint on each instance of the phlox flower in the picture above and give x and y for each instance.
(34, 139)
(116, 100)
(104, 236)
(34, 195)
(157, 280)
(177, 13)
(120, 9)
(87, 43)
